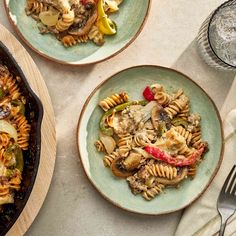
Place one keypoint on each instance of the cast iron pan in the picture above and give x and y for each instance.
(34, 114)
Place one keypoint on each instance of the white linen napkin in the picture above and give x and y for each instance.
(202, 218)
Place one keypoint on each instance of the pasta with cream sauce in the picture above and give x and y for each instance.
(74, 21)
(154, 143)
(14, 135)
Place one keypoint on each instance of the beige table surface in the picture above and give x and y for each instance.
(73, 206)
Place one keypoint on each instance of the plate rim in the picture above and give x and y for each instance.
(90, 179)
(6, 2)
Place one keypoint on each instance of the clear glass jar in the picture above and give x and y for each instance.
(217, 37)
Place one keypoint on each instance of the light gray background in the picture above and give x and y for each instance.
(73, 206)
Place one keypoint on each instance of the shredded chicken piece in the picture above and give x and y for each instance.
(194, 122)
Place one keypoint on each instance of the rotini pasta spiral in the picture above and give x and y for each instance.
(4, 140)
(143, 138)
(35, 6)
(68, 41)
(125, 144)
(196, 138)
(113, 100)
(186, 134)
(3, 161)
(163, 98)
(99, 146)
(184, 113)
(162, 170)
(82, 39)
(152, 192)
(192, 170)
(14, 182)
(96, 35)
(160, 95)
(12, 87)
(176, 106)
(66, 21)
(177, 94)
(4, 189)
(107, 160)
(185, 150)
(23, 129)
(9, 85)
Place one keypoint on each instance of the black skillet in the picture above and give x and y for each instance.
(34, 114)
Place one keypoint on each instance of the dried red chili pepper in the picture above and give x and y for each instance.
(157, 153)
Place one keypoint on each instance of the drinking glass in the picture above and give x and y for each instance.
(217, 37)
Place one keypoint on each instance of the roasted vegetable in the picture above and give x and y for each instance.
(20, 104)
(1, 92)
(4, 112)
(160, 119)
(118, 168)
(74, 30)
(108, 142)
(179, 121)
(6, 127)
(14, 152)
(148, 94)
(132, 161)
(6, 199)
(49, 18)
(157, 153)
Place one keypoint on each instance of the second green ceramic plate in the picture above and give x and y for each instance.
(130, 20)
(133, 81)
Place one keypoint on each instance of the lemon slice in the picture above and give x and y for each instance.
(106, 26)
(101, 12)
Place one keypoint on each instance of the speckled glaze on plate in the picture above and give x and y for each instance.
(116, 190)
(130, 20)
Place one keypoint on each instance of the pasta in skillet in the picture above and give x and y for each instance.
(14, 135)
(74, 21)
(155, 143)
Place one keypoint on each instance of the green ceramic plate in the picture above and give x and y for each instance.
(133, 80)
(130, 20)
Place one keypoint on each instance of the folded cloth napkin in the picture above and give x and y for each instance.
(202, 218)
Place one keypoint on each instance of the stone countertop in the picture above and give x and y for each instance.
(73, 206)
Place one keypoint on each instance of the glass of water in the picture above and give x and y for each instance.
(217, 37)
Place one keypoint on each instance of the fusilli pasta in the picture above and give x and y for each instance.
(73, 21)
(108, 159)
(152, 192)
(186, 134)
(156, 144)
(161, 170)
(14, 134)
(113, 100)
(176, 106)
(35, 6)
